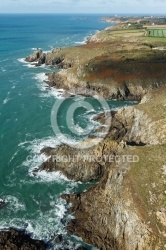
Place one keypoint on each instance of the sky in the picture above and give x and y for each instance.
(83, 6)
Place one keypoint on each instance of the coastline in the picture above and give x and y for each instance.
(117, 213)
(98, 228)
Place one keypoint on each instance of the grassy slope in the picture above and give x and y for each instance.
(148, 185)
(117, 57)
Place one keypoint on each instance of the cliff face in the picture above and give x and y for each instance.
(126, 210)
(143, 124)
(105, 216)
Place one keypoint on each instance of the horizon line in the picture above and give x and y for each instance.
(74, 13)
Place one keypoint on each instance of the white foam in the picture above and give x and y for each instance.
(6, 100)
(41, 77)
(44, 66)
(29, 65)
(81, 43)
(45, 225)
(44, 176)
(47, 51)
(91, 112)
(26, 64)
(13, 156)
(22, 60)
(44, 87)
(14, 204)
(34, 65)
(52, 92)
(35, 158)
(44, 51)
(61, 210)
(35, 49)
(79, 130)
(48, 223)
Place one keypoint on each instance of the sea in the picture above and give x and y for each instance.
(33, 201)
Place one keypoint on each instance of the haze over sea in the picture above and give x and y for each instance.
(25, 106)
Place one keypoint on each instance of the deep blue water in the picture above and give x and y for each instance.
(25, 126)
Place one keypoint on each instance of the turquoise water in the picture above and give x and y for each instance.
(25, 127)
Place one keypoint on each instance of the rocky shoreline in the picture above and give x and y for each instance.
(116, 70)
(14, 239)
(126, 209)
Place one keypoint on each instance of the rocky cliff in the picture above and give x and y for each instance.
(143, 124)
(74, 164)
(38, 58)
(126, 209)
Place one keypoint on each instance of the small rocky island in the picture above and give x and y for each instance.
(126, 210)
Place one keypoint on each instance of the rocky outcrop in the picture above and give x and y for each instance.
(58, 61)
(143, 124)
(15, 240)
(79, 164)
(38, 58)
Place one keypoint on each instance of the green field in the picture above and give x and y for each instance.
(157, 32)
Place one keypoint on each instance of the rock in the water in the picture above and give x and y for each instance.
(13, 239)
(59, 238)
(79, 164)
(2, 203)
(38, 57)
